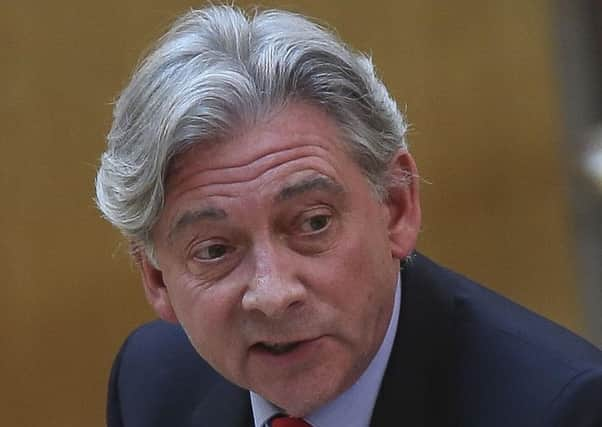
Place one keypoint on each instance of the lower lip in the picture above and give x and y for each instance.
(299, 354)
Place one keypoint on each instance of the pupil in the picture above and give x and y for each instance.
(318, 222)
(216, 251)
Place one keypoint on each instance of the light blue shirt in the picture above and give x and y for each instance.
(354, 407)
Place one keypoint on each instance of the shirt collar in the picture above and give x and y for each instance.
(354, 407)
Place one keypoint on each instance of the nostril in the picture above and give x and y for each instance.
(295, 304)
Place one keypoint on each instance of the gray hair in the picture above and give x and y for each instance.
(218, 70)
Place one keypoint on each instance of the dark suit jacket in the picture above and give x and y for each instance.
(463, 356)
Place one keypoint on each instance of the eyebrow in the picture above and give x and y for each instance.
(319, 182)
(194, 216)
(296, 189)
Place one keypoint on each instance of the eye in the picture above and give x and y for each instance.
(212, 252)
(315, 223)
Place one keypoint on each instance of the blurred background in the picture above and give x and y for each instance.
(503, 96)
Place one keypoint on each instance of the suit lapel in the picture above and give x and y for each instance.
(225, 405)
(415, 387)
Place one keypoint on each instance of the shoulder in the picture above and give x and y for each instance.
(504, 359)
(475, 309)
(157, 378)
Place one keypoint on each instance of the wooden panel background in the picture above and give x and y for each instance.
(478, 82)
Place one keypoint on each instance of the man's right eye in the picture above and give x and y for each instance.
(212, 252)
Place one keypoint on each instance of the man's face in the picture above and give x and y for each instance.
(278, 259)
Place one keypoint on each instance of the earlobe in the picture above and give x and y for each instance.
(403, 202)
(155, 289)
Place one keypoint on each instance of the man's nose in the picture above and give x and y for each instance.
(274, 287)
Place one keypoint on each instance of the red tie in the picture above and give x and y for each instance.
(288, 422)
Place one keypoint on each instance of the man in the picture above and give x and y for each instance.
(259, 168)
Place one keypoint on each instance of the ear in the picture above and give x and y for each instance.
(155, 289)
(403, 203)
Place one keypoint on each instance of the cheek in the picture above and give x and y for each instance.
(213, 334)
(370, 274)
(356, 273)
(203, 312)
(367, 254)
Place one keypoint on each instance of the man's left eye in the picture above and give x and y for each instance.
(315, 223)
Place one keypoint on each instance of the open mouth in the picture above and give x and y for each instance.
(277, 348)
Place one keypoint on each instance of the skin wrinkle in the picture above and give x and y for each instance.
(215, 189)
(232, 170)
(192, 217)
(229, 179)
(209, 213)
(321, 182)
(281, 160)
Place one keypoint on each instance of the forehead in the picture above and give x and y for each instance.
(298, 137)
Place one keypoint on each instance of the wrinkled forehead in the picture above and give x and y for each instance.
(285, 130)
